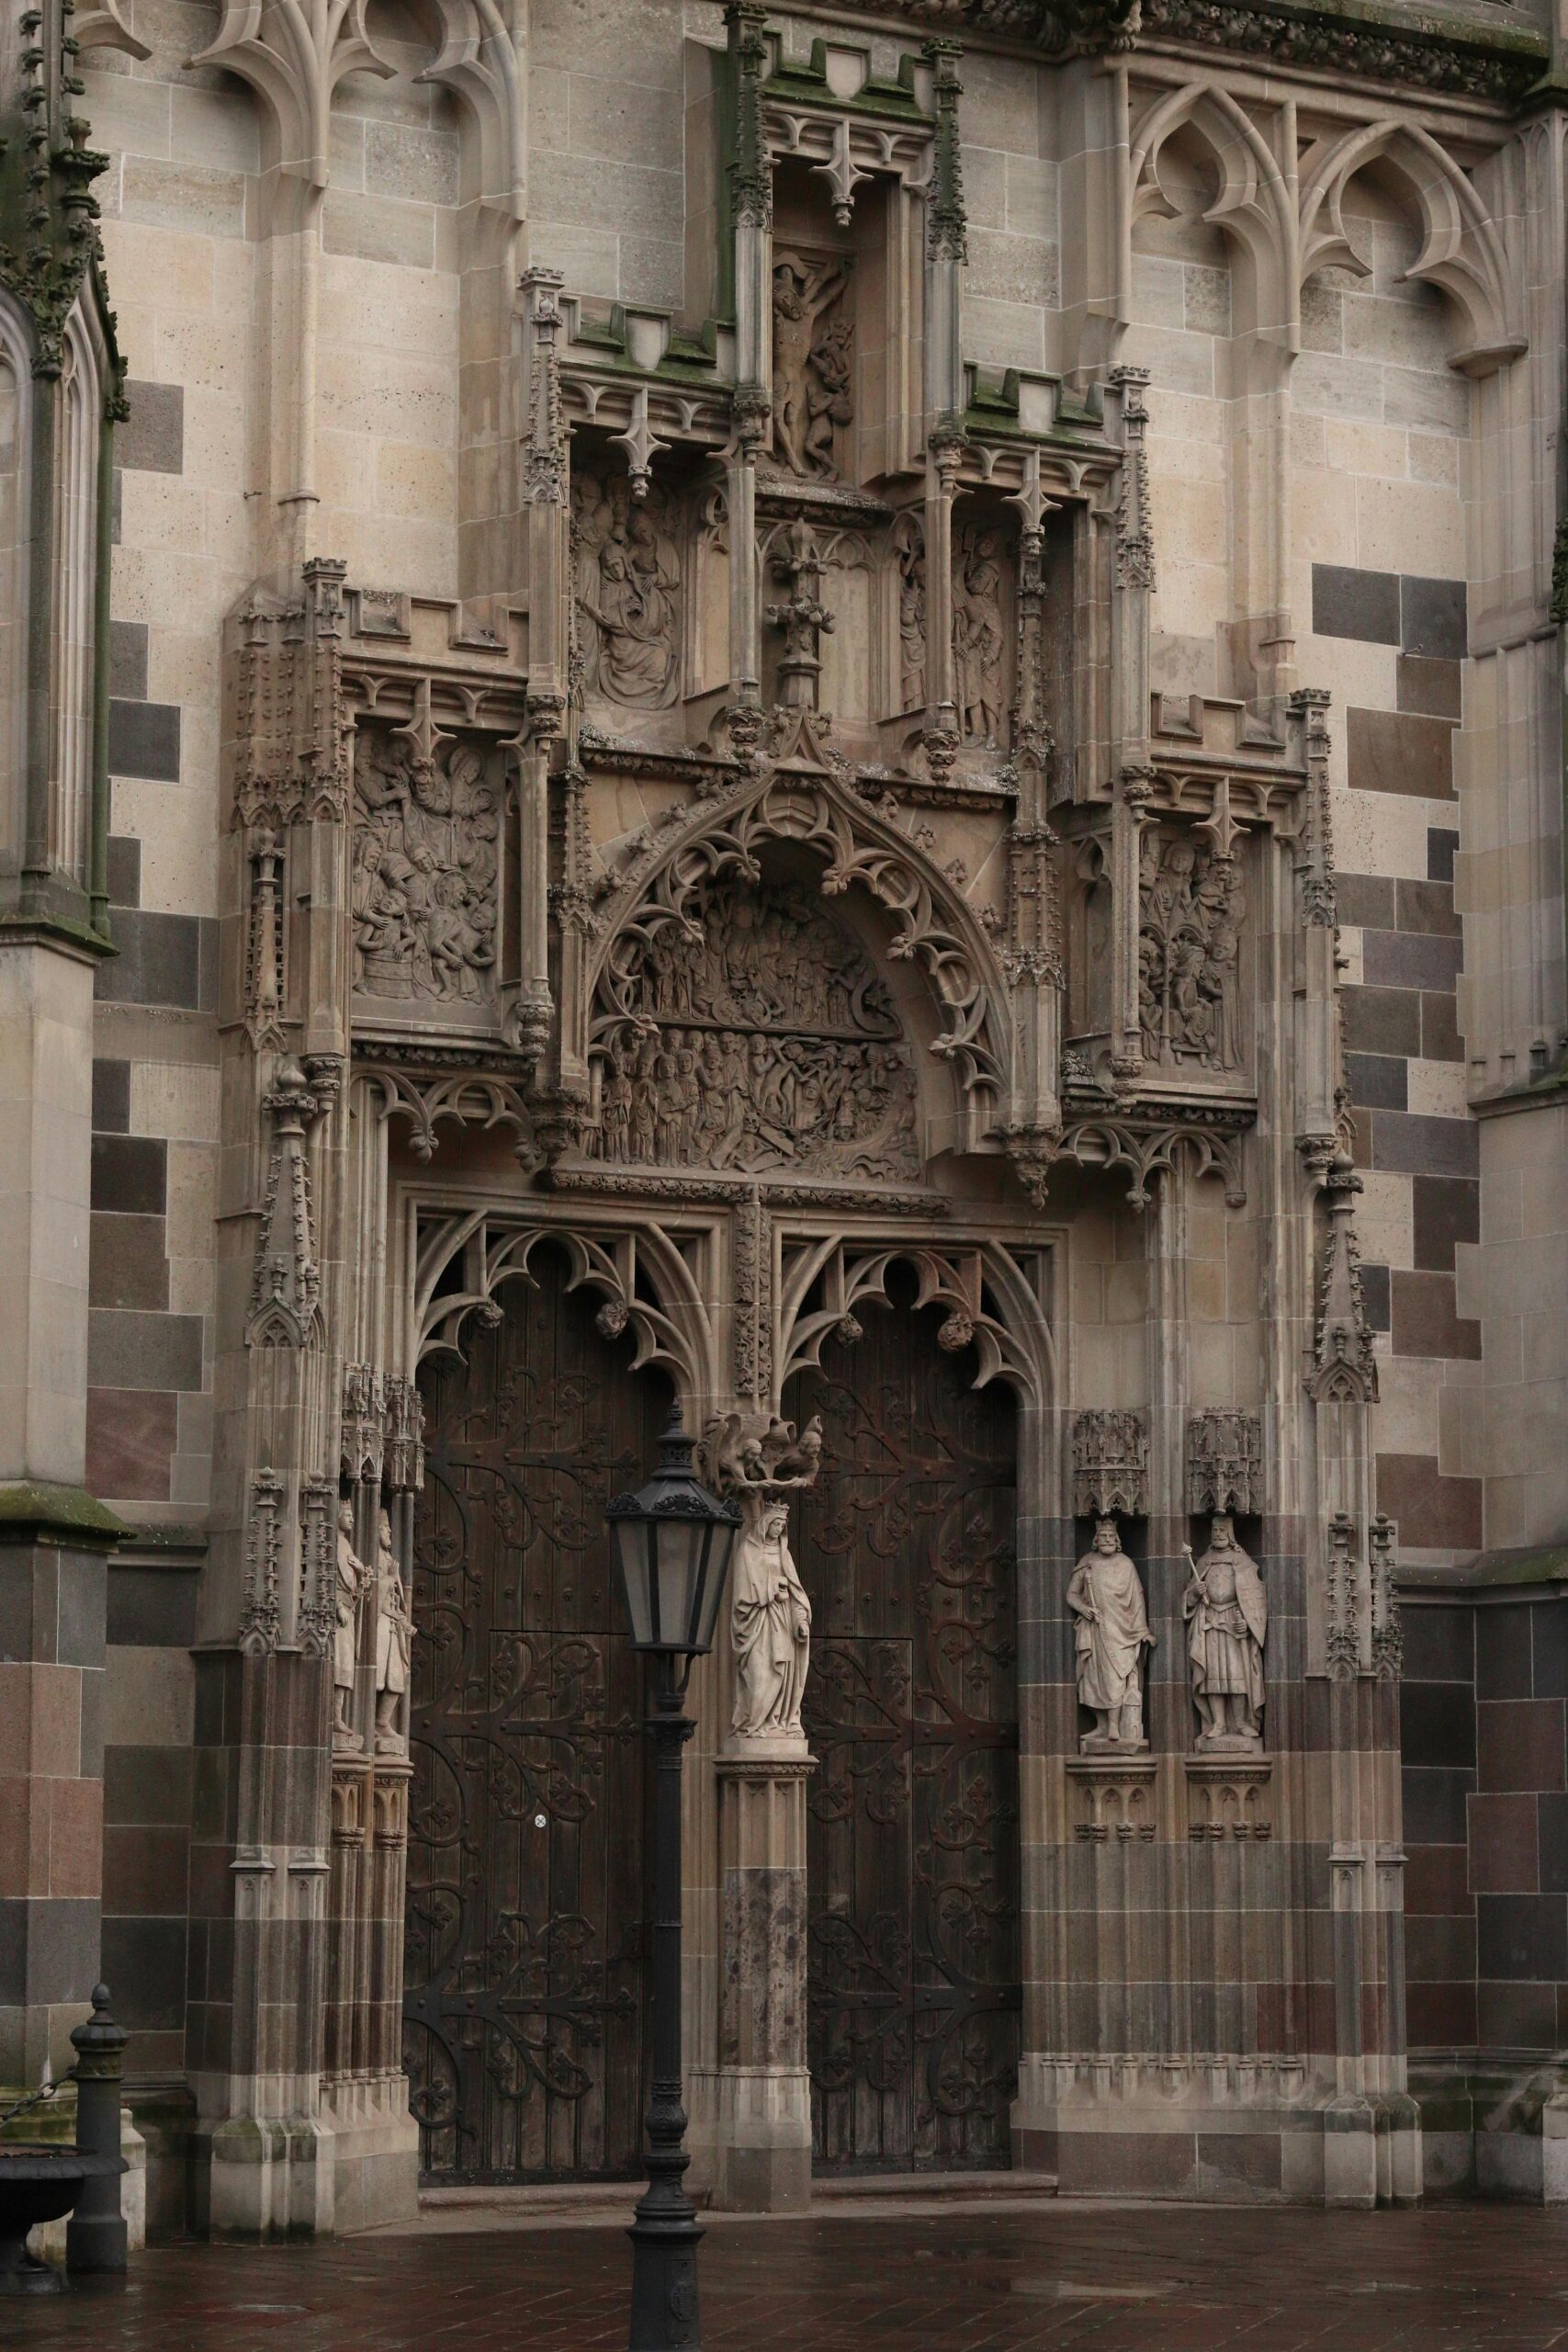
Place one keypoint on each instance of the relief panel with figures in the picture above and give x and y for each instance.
(1191, 906)
(757, 1037)
(627, 586)
(426, 873)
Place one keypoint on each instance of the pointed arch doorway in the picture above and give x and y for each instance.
(524, 1922)
(907, 1545)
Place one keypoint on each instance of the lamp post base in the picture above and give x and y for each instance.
(664, 2282)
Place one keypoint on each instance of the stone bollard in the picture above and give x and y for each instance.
(96, 2233)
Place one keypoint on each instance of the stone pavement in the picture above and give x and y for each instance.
(979, 2279)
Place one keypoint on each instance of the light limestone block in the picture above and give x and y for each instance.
(209, 128)
(177, 827)
(212, 353)
(1384, 1222)
(416, 481)
(1004, 334)
(598, 195)
(588, 258)
(1011, 269)
(183, 196)
(1334, 386)
(161, 268)
(1360, 449)
(1381, 832)
(149, 1698)
(652, 269)
(378, 228)
(178, 1100)
(130, 115)
(1409, 527)
(1184, 361)
(422, 167)
(1436, 1088)
(408, 400)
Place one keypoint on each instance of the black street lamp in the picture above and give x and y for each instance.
(672, 1542)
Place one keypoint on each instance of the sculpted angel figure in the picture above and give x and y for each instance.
(771, 1628)
(1111, 1632)
(1226, 1611)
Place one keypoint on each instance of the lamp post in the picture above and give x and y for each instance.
(672, 1542)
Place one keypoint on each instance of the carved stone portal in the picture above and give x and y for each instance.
(758, 1036)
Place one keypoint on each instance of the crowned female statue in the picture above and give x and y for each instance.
(771, 1628)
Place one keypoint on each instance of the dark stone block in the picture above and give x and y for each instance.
(80, 1604)
(1519, 1743)
(1391, 750)
(1440, 2017)
(1521, 1937)
(144, 1963)
(1437, 1726)
(1447, 1211)
(1551, 1842)
(1363, 604)
(151, 439)
(1437, 1881)
(1424, 1323)
(128, 660)
(1433, 1513)
(152, 1784)
(1427, 907)
(207, 952)
(159, 960)
(128, 1266)
(1440, 1039)
(1229, 2162)
(1382, 1021)
(1439, 1643)
(48, 1949)
(1504, 1858)
(1366, 902)
(1550, 1646)
(1516, 2016)
(1432, 689)
(1442, 847)
(130, 1350)
(130, 1174)
(1378, 1082)
(1375, 1296)
(124, 875)
(144, 740)
(144, 1872)
(151, 1608)
(111, 1098)
(1414, 1144)
(1410, 959)
(1441, 1951)
(131, 1436)
(1433, 618)
(1502, 1668)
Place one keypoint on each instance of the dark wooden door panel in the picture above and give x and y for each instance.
(907, 1545)
(524, 1952)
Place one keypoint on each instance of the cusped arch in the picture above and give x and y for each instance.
(990, 1306)
(931, 926)
(642, 1277)
(1252, 204)
(1461, 250)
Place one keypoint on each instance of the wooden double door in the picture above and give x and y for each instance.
(523, 2001)
(907, 1545)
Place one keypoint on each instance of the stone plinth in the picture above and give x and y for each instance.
(764, 2117)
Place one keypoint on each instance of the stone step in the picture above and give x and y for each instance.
(611, 2199)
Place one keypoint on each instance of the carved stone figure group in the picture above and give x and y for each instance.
(394, 1638)
(627, 587)
(813, 363)
(427, 861)
(1190, 913)
(1225, 1611)
(761, 957)
(732, 1098)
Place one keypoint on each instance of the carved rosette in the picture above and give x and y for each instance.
(1111, 1464)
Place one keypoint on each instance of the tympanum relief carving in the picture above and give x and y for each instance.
(1192, 907)
(813, 363)
(627, 582)
(427, 866)
(757, 1036)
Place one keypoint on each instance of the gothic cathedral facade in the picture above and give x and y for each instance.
(848, 720)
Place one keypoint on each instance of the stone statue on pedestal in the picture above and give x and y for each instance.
(1111, 1632)
(771, 1627)
(353, 1577)
(1227, 1619)
(394, 1646)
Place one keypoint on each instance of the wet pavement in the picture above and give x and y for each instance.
(999, 2278)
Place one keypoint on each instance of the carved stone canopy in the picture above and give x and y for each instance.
(1111, 1464)
(1224, 1461)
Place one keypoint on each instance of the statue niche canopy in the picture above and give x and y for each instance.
(751, 1033)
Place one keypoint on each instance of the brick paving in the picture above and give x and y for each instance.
(1108, 2279)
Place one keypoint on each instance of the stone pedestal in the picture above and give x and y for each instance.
(763, 2157)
